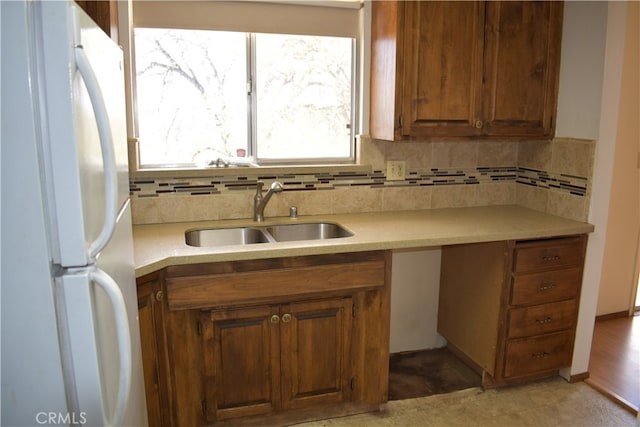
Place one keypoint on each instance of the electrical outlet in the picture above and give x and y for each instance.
(395, 170)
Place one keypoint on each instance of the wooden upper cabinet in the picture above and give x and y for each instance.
(461, 70)
(522, 63)
(443, 68)
(104, 13)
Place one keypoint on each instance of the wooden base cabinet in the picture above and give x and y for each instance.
(265, 359)
(510, 309)
(154, 356)
(276, 341)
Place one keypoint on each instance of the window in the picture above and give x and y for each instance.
(275, 98)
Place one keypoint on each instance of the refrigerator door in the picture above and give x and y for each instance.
(97, 310)
(74, 123)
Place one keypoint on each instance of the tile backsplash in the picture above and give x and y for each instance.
(551, 177)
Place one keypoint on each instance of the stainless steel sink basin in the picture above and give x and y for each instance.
(225, 236)
(266, 234)
(308, 231)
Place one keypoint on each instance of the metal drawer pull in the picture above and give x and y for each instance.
(544, 321)
(540, 355)
(546, 287)
(551, 258)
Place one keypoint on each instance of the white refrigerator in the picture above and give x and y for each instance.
(69, 316)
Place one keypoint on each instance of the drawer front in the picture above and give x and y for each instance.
(542, 319)
(547, 286)
(549, 254)
(538, 354)
(223, 290)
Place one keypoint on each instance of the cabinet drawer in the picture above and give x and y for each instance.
(549, 254)
(547, 286)
(538, 354)
(542, 319)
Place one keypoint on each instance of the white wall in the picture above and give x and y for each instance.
(586, 18)
(618, 280)
(581, 69)
(415, 283)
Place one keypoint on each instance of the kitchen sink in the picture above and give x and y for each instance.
(225, 236)
(308, 231)
(272, 233)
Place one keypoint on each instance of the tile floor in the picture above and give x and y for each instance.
(552, 402)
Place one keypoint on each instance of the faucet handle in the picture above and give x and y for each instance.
(259, 185)
(276, 186)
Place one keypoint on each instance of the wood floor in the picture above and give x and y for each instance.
(614, 367)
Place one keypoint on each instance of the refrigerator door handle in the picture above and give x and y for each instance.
(111, 288)
(106, 146)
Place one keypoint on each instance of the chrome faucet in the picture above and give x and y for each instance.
(260, 200)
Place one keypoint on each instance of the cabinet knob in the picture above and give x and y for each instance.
(479, 124)
(159, 296)
(286, 318)
(275, 318)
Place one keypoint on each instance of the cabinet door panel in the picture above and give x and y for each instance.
(315, 352)
(241, 355)
(522, 62)
(443, 67)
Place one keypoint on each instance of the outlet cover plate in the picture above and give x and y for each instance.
(395, 170)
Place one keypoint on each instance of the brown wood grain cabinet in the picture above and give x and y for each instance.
(271, 341)
(464, 70)
(104, 13)
(154, 356)
(510, 308)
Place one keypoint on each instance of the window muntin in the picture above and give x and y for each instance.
(280, 99)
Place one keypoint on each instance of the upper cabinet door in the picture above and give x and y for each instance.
(443, 51)
(522, 59)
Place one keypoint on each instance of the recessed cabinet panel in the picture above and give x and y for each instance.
(521, 60)
(240, 348)
(443, 67)
(315, 352)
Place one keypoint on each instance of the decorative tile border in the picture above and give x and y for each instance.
(571, 184)
(376, 179)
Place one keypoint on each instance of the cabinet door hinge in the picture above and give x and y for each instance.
(352, 384)
(353, 310)
(203, 404)
(400, 121)
(199, 327)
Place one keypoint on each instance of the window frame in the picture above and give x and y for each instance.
(358, 57)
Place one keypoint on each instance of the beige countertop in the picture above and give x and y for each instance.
(160, 245)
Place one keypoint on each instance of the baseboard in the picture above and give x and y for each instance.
(578, 377)
(614, 397)
(611, 316)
